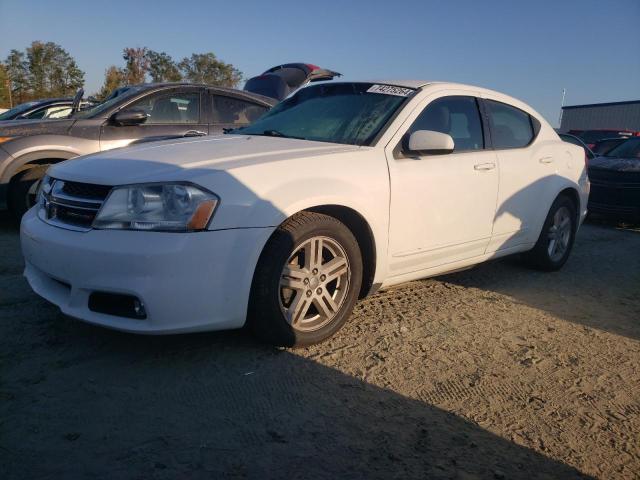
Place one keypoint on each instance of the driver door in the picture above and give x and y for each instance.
(170, 113)
(442, 205)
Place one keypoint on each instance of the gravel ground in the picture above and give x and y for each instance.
(496, 372)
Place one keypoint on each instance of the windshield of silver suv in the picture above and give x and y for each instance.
(349, 113)
(104, 106)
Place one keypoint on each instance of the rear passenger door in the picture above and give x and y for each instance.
(170, 113)
(232, 112)
(524, 167)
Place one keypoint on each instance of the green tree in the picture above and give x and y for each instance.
(136, 66)
(5, 85)
(162, 68)
(52, 71)
(206, 68)
(16, 67)
(114, 77)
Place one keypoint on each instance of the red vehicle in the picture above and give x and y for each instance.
(590, 137)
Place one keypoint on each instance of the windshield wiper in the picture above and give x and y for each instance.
(264, 133)
(276, 133)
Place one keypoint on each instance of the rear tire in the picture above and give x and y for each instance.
(306, 282)
(555, 242)
(22, 191)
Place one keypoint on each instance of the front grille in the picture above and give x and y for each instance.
(86, 190)
(615, 178)
(72, 204)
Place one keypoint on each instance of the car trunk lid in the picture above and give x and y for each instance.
(282, 80)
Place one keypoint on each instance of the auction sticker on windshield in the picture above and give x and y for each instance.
(390, 90)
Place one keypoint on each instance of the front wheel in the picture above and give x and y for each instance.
(23, 189)
(306, 282)
(556, 238)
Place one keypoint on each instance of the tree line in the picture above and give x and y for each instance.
(144, 64)
(45, 69)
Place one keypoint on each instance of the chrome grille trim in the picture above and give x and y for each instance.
(62, 209)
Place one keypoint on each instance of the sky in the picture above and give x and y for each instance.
(531, 50)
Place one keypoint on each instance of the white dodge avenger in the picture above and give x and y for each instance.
(338, 191)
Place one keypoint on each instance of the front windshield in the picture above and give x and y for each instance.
(17, 110)
(349, 113)
(627, 149)
(106, 105)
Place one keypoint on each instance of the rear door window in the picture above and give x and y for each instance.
(510, 126)
(233, 111)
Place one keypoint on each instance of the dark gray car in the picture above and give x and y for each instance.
(141, 113)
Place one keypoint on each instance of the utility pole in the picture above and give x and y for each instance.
(564, 92)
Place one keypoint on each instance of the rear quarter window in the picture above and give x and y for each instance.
(233, 111)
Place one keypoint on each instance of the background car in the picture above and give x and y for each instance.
(590, 137)
(603, 147)
(589, 155)
(40, 109)
(615, 182)
(139, 113)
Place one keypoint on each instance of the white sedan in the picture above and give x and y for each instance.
(338, 191)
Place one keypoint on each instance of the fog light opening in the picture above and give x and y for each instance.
(138, 308)
(117, 305)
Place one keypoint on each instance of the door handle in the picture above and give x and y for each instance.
(548, 159)
(484, 166)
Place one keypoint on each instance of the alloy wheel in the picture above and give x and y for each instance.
(314, 283)
(559, 234)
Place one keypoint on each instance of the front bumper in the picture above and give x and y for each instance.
(187, 282)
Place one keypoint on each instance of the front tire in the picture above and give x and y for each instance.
(306, 282)
(556, 238)
(23, 189)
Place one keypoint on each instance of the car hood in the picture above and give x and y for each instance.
(187, 159)
(22, 128)
(616, 164)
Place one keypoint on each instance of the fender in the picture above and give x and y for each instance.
(24, 150)
(243, 208)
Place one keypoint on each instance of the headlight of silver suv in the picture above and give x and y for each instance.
(44, 189)
(173, 207)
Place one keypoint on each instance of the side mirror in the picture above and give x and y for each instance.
(129, 117)
(429, 142)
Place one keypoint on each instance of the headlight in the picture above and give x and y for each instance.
(44, 188)
(174, 207)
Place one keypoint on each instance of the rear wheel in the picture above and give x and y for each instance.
(556, 238)
(306, 282)
(23, 189)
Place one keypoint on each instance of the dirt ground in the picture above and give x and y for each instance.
(496, 372)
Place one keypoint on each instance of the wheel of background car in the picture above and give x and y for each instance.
(556, 238)
(23, 189)
(306, 282)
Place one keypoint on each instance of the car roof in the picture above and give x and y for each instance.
(231, 91)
